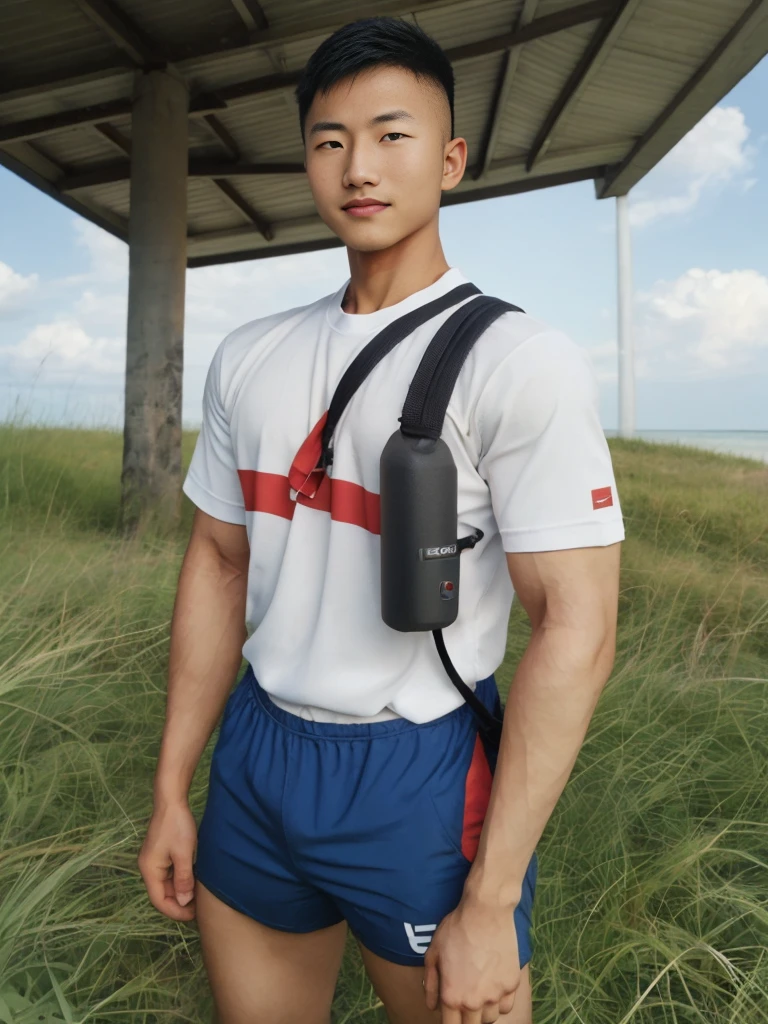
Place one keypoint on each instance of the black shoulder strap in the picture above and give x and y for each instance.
(434, 380)
(424, 415)
(376, 349)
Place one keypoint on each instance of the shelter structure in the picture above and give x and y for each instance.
(172, 124)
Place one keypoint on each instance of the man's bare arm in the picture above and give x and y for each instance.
(571, 598)
(207, 636)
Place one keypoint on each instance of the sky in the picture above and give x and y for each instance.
(700, 264)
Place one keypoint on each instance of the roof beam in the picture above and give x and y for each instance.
(547, 25)
(267, 251)
(262, 40)
(240, 203)
(536, 29)
(523, 185)
(283, 228)
(207, 167)
(49, 84)
(226, 188)
(120, 170)
(251, 14)
(21, 131)
(751, 32)
(223, 134)
(122, 32)
(209, 103)
(42, 172)
(593, 57)
(320, 25)
(34, 127)
(503, 89)
(116, 137)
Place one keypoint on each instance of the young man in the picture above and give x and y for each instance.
(348, 786)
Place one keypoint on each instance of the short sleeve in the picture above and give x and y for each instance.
(544, 454)
(212, 480)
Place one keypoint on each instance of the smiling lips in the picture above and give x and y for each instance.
(364, 207)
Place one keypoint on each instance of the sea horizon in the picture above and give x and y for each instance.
(750, 443)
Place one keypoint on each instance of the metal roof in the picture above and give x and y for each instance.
(547, 92)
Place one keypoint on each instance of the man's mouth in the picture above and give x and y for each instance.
(364, 207)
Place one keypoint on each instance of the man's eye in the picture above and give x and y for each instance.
(330, 142)
(400, 135)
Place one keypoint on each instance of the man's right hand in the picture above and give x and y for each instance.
(165, 861)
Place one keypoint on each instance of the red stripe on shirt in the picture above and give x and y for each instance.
(351, 503)
(266, 492)
(346, 502)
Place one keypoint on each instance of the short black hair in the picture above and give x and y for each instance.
(368, 43)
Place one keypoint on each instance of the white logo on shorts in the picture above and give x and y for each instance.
(420, 942)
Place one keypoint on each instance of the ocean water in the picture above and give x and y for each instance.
(752, 443)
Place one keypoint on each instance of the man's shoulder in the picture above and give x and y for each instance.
(253, 331)
(522, 341)
(254, 340)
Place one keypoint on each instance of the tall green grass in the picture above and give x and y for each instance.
(651, 901)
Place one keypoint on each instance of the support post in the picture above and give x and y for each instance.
(151, 473)
(626, 348)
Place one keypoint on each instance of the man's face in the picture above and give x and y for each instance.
(385, 135)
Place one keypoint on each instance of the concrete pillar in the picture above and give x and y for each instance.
(626, 348)
(151, 474)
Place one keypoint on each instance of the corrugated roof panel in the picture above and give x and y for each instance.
(469, 22)
(178, 26)
(626, 96)
(77, 148)
(661, 47)
(215, 72)
(208, 209)
(116, 84)
(267, 128)
(115, 197)
(475, 82)
(57, 40)
(542, 71)
(277, 198)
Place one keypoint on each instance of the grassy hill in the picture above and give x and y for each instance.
(651, 900)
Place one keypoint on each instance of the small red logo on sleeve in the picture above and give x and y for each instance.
(602, 497)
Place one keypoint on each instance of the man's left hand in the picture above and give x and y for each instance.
(472, 966)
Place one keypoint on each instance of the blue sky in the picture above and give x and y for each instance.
(700, 224)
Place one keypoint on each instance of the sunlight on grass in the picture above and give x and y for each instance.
(650, 906)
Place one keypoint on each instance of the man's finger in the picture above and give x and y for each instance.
(449, 1016)
(431, 984)
(183, 879)
(507, 1003)
(154, 874)
(491, 1013)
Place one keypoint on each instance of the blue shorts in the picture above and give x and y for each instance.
(308, 823)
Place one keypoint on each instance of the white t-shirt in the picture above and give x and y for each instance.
(534, 474)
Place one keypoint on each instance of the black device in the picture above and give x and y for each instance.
(420, 550)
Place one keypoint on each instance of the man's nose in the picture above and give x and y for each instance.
(361, 167)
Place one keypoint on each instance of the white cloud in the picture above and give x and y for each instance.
(714, 153)
(709, 320)
(14, 288)
(222, 297)
(64, 346)
(81, 339)
(705, 323)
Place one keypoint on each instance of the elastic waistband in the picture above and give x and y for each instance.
(486, 690)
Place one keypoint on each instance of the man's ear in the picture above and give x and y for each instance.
(454, 163)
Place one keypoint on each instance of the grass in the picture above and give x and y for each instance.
(651, 901)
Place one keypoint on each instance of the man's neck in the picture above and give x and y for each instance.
(382, 278)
